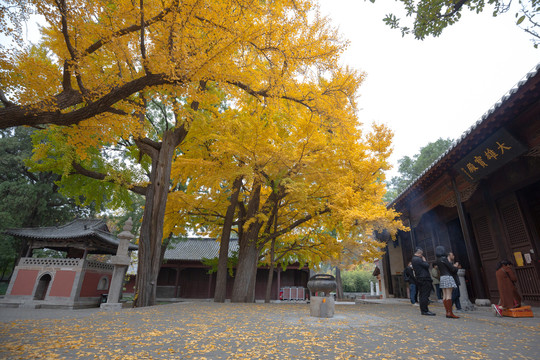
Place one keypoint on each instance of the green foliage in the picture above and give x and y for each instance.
(3, 288)
(357, 280)
(48, 253)
(232, 261)
(411, 168)
(134, 210)
(54, 154)
(431, 17)
(29, 199)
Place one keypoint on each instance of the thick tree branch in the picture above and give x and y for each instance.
(148, 147)
(62, 7)
(295, 224)
(66, 79)
(81, 170)
(4, 100)
(34, 114)
(37, 114)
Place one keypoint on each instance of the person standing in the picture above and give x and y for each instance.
(506, 279)
(447, 282)
(435, 276)
(423, 280)
(408, 276)
(455, 291)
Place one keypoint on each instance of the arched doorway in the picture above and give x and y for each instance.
(42, 287)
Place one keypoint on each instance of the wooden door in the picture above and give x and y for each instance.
(487, 249)
(518, 239)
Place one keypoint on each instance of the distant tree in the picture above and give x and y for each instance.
(357, 280)
(412, 168)
(431, 17)
(29, 199)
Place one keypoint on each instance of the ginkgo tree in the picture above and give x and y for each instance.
(99, 63)
(301, 169)
(117, 164)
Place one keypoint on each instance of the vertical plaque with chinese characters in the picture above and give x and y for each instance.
(492, 154)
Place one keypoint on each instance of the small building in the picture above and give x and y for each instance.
(480, 200)
(71, 282)
(183, 274)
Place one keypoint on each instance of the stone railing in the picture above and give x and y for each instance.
(71, 262)
(50, 262)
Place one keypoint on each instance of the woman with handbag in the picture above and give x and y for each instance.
(506, 283)
(448, 273)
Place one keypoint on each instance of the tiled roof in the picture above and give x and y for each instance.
(77, 229)
(524, 93)
(196, 248)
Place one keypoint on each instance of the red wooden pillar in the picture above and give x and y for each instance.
(177, 282)
(210, 278)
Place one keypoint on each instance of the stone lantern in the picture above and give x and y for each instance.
(121, 262)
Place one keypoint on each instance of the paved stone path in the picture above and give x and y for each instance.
(206, 330)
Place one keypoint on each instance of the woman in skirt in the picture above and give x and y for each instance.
(447, 283)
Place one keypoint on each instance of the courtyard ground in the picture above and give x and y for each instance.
(390, 329)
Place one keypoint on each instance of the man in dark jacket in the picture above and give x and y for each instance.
(423, 280)
(408, 276)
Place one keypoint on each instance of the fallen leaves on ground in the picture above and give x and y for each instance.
(207, 330)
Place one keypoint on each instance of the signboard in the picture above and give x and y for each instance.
(489, 156)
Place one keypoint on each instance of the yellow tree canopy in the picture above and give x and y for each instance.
(99, 65)
(324, 174)
(96, 55)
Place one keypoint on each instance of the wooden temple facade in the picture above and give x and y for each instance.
(481, 200)
(71, 282)
(183, 274)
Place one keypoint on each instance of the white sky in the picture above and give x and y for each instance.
(437, 87)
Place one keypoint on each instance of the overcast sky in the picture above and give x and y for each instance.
(438, 87)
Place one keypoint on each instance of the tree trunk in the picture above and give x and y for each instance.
(270, 273)
(221, 276)
(244, 271)
(250, 298)
(339, 290)
(150, 240)
(248, 250)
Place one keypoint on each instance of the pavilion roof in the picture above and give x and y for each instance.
(92, 233)
(196, 248)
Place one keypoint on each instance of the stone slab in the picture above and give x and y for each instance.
(111, 306)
